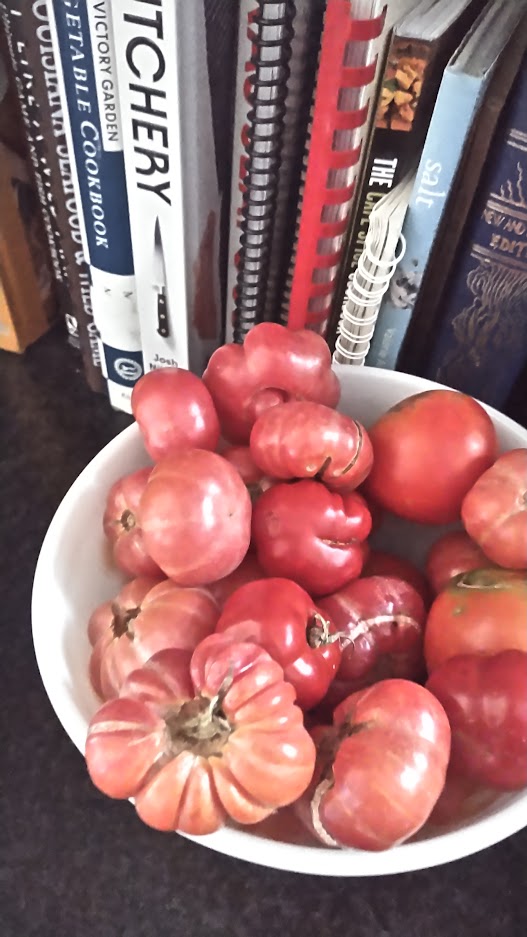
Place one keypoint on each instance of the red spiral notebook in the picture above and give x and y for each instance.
(350, 44)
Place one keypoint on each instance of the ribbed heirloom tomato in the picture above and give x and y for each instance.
(140, 622)
(303, 531)
(122, 528)
(381, 620)
(174, 411)
(380, 768)
(195, 747)
(273, 365)
(195, 515)
(300, 439)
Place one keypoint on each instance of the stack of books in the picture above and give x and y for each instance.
(193, 168)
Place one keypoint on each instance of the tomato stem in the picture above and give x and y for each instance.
(121, 620)
(200, 725)
(317, 631)
(128, 520)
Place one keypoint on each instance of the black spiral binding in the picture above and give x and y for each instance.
(273, 30)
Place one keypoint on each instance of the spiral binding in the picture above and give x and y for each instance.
(347, 67)
(273, 32)
(355, 332)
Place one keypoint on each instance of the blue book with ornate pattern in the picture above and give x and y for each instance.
(481, 344)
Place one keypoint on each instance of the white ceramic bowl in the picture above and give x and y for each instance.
(74, 574)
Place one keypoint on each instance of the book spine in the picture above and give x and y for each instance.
(340, 116)
(200, 187)
(397, 133)
(25, 273)
(32, 26)
(242, 107)
(175, 225)
(83, 44)
(449, 128)
(11, 19)
(480, 347)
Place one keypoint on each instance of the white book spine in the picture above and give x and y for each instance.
(171, 176)
(85, 59)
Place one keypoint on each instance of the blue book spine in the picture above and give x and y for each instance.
(456, 106)
(84, 48)
(481, 345)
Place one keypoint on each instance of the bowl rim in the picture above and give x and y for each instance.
(441, 848)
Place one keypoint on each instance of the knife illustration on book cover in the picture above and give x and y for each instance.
(160, 283)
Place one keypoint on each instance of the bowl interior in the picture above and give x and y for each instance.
(74, 574)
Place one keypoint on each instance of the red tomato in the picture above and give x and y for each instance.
(494, 511)
(300, 439)
(195, 515)
(174, 411)
(192, 752)
(330, 528)
(460, 800)
(481, 612)
(485, 699)
(248, 570)
(139, 623)
(240, 457)
(428, 452)
(122, 528)
(380, 563)
(452, 554)
(382, 622)
(273, 365)
(380, 768)
(282, 618)
(130, 596)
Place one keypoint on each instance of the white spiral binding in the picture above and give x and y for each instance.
(365, 291)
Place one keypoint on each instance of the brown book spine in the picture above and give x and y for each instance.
(25, 273)
(33, 62)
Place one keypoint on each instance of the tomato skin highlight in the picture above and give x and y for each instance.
(428, 452)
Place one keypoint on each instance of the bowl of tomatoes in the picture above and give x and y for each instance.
(283, 613)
